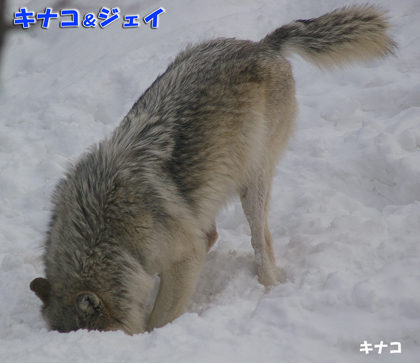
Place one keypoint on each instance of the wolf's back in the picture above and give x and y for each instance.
(345, 35)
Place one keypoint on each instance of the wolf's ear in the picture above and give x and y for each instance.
(88, 304)
(42, 288)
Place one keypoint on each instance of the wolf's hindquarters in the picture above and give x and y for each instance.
(345, 35)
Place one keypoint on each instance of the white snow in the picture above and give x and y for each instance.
(345, 212)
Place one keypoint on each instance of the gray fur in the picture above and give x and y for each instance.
(144, 201)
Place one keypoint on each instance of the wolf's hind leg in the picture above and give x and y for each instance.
(255, 200)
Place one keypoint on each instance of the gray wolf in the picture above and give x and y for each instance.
(144, 201)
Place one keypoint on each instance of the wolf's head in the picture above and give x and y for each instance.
(84, 310)
(118, 307)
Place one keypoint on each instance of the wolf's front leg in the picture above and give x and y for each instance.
(176, 286)
(212, 237)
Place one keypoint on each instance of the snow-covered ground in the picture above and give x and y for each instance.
(345, 211)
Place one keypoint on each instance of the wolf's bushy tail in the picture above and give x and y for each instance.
(348, 34)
